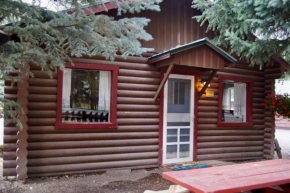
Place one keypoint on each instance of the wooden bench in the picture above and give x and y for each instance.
(255, 176)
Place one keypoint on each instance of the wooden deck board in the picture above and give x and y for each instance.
(232, 178)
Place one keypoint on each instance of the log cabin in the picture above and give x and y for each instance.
(189, 100)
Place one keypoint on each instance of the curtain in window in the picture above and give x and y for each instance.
(66, 88)
(104, 91)
(226, 98)
(240, 100)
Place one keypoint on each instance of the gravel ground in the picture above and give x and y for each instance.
(283, 136)
(136, 181)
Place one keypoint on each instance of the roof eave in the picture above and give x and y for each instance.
(204, 41)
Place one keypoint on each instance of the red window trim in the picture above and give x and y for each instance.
(249, 101)
(113, 111)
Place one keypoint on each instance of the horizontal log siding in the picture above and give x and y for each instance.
(133, 144)
(10, 133)
(269, 119)
(230, 143)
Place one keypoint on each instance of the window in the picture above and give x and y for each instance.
(87, 95)
(235, 101)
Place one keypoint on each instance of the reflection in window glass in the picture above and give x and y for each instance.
(234, 101)
(86, 96)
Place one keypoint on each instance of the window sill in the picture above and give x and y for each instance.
(247, 124)
(60, 126)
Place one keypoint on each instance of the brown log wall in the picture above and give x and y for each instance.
(270, 75)
(230, 143)
(133, 144)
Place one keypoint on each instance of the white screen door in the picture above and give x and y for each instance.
(178, 119)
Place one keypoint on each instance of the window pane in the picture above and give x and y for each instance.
(181, 93)
(234, 102)
(184, 150)
(171, 151)
(86, 96)
(175, 92)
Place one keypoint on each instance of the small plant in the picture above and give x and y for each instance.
(279, 105)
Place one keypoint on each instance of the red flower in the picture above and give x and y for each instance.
(281, 112)
(264, 104)
(288, 113)
(280, 101)
(273, 107)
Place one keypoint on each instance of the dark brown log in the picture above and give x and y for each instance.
(10, 90)
(9, 147)
(9, 172)
(92, 159)
(135, 121)
(229, 144)
(41, 106)
(229, 138)
(223, 150)
(207, 115)
(10, 139)
(231, 156)
(41, 114)
(141, 94)
(229, 132)
(9, 164)
(42, 82)
(43, 74)
(41, 121)
(123, 65)
(90, 151)
(139, 73)
(41, 98)
(273, 76)
(91, 136)
(141, 101)
(255, 78)
(42, 90)
(207, 109)
(124, 128)
(90, 166)
(9, 155)
(11, 97)
(138, 107)
(139, 80)
(10, 130)
(139, 87)
(90, 144)
(258, 95)
(242, 70)
(207, 103)
(125, 114)
(207, 120)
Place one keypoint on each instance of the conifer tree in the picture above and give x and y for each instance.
(253, 30)
(47, 38)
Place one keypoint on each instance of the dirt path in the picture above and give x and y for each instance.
(136, 181)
